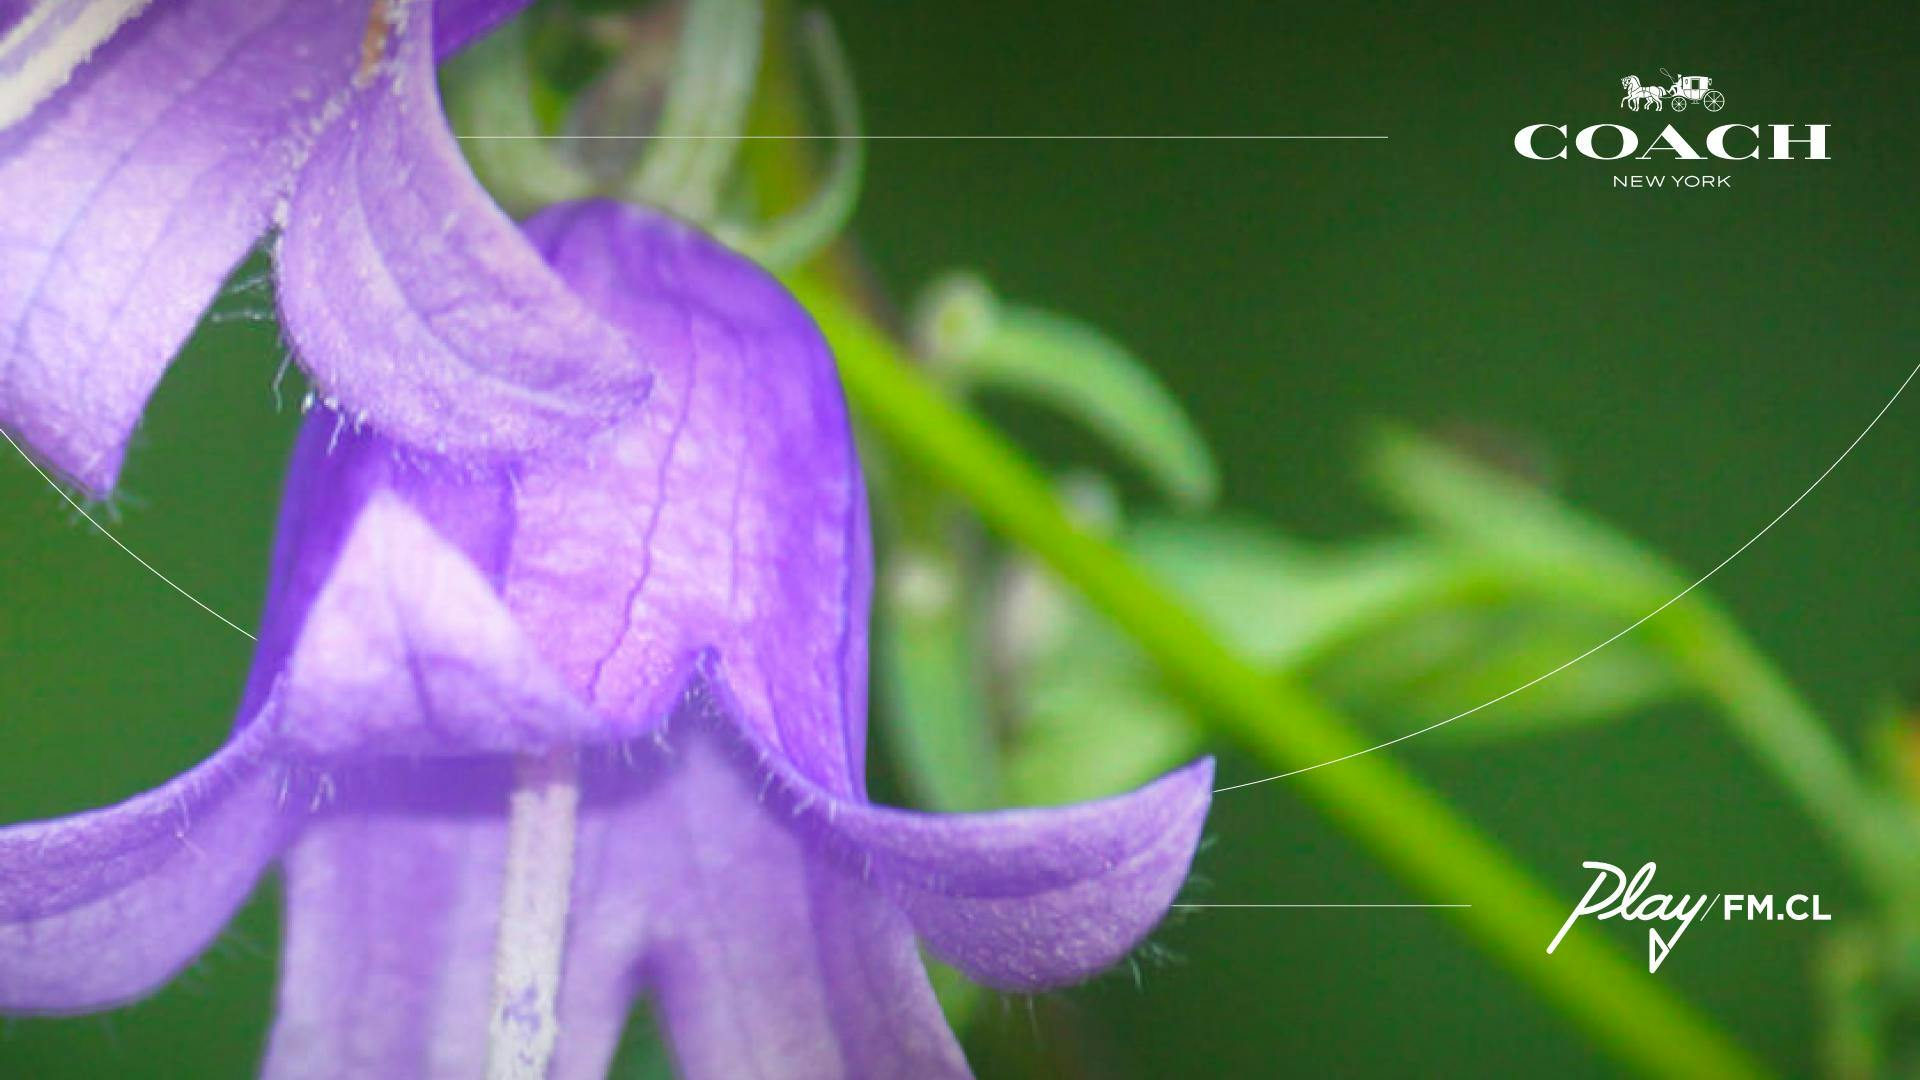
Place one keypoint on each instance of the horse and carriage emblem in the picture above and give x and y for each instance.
(1686, 90)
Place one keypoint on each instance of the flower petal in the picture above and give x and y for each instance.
(765, 962)
(102, 907)
(407, 649)
(392, 898)
(415, 302)
(726, 512)
(773, 922)
(1018, 899)
(763, 957)
(1036, 899)
(126, 198)
(783, 968)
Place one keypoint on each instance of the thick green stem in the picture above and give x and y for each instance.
(1413, 831)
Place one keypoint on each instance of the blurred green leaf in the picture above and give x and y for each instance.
(1280, 601)
(1402, 631)
(1089, 732)
(928, 672)
(1441, 663)
(1551, 551)
(992, 345)
(1524, 529)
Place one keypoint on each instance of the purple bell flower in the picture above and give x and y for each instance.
(678, 604)
(140, 160)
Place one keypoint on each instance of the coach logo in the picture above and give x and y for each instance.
(1671, 146)
(1728, 142)
(1685, 90)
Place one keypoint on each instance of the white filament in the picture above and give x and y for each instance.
(525, 1025)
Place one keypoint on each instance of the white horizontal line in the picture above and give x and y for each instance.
(926, 138)
(1321, 906)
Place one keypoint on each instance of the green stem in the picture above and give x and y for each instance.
(1414, 832)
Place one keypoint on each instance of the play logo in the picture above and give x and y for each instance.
(1671, 914)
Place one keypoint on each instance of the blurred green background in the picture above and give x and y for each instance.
(1690, 361)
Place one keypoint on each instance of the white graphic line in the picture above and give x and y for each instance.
(1635, 625)
(829, 137)
(62, 492)
(1529, 684)
(1277, 906)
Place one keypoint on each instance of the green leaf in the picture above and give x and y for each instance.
(1087, 732)
(1402, 631)
(1515, 525)
(1094, 719)
(1281, 602)
(1074, 368)
(929, 676)
(1442, 663)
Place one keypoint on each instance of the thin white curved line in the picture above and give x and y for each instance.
(71, 501)
(1529, 684)
(1631, 627)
